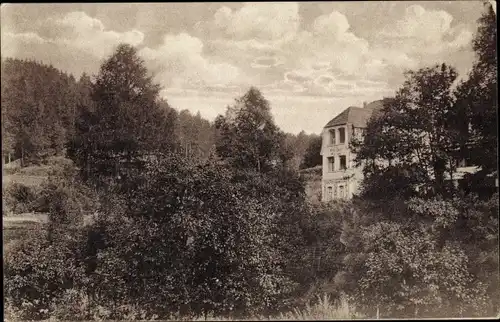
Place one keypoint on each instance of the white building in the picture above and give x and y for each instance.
(341, 178)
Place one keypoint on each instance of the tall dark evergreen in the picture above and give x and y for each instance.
(126, 122)
(37, 103)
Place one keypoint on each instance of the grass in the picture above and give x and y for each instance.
(323, 309)
(31, 175)
(27, 180)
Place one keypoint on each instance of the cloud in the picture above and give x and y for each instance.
(263, 21)
(303, 78)
(13, 43)
(74, 37)
(82, 32)
(26, 37)
(266, 62)
(179, 62)
(267, 36)
(425, 31)
(267, 45)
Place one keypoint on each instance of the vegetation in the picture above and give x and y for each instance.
(192, 220)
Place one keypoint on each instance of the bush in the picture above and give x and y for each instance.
(20, 198)
(173, 237)
(191, 238)
(411, 259)
(36, 272)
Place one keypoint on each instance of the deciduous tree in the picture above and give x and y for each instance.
(410, 143)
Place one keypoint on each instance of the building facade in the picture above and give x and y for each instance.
(341, 178)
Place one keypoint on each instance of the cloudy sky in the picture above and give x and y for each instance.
(311, 60)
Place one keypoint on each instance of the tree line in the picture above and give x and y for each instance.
(40, 106)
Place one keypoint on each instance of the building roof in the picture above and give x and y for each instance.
(357, 116)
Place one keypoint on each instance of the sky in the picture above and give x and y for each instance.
(311, 60)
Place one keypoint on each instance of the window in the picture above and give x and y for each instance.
(343, 162)
(331, 164)
(332, 137)
(329, 194)
(342, 135)
(341, 191)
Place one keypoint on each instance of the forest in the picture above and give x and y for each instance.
(155, 213)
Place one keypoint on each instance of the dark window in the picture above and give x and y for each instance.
(332, 137)
(342, 135)
(343, 162)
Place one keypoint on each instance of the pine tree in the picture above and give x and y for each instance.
(126, 121)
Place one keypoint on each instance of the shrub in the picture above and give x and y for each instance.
(36, 272)
(20, 198)
(413, 261)
(66, 198)
(191, 238)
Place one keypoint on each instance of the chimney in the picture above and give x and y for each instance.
(364, 104)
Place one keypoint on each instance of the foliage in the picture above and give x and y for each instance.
(418, 263)
(167, 245)
(247, 136)
(298, 145)
(36, 272)
(477, 98)
(19, 198)
(38, 102)
(324, 309)
(312, 156)
(66, 199)
(410, 141)
(196, 135)
(125, 121)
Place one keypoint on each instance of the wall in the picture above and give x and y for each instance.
(349, 178)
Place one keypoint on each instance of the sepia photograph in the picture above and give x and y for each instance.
(250, 161)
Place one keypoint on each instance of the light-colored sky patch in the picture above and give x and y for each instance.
(311, 60)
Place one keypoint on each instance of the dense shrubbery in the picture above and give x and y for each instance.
(422, 261)
(20, 198)
(167, 245)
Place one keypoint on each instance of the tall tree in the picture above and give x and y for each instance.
(126, 122)
(196, 135)
(477, 98)
(411, 142)
(37, 101)
(248, 136)
(312, 156)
